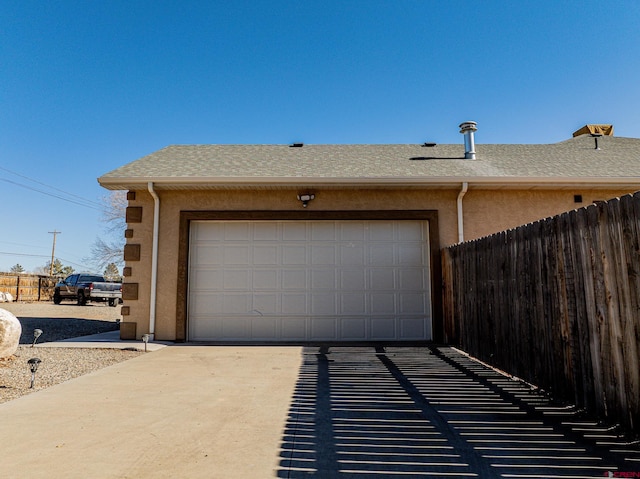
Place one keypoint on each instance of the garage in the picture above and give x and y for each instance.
(309, 280)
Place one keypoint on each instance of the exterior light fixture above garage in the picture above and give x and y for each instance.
(306, 198)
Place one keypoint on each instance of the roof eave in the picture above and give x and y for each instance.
(136, 183)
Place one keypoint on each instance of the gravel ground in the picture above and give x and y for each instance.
(58, 364)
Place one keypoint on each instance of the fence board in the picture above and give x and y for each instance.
(557, 302)
(27, 287)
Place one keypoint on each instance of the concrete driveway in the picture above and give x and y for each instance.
(288, 412)
(179, 412)
(434, 412)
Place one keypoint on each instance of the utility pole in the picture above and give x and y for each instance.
(53, 250)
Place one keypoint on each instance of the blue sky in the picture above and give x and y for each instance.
(89, 86)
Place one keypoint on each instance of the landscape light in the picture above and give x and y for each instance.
(36, 334)
(145, 340)
(33, 366)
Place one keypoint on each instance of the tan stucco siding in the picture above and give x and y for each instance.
(142, 234)
(485, 212)
(489, 211)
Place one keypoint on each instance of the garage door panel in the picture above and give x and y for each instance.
(294, 304)
(264, 328)
(412, 278)
(411, 255)
(383, 329)
(353, 303)
(236, 302)
(412, 328)
(383, 303)
(323, 304)
(323, 255)
(352, 231)
(208, 231)
(236, 231)
(294, 279)
(352, 279)
(294, 231)
(381, 231)
(208, 303)
(353, 329)
(266, 304)
(204, 329)
(381, 255)
(207, 279)
(266, 231)
(323, 279)
(208, 254)
(236, 328)
(325, 329)
(323, 231)
(411, 303)
(308, 281)
(236, 279)
(352, 254)
(238, 255)
(293, 329)
(267, 279)
(266, 255)
(382, 279)
(408, 230)
(292, 254)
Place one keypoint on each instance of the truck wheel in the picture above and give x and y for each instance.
(81, 299)
(113, 303)
(56, 298)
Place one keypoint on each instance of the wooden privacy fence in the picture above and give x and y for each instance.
(27, 287)
(556, 303)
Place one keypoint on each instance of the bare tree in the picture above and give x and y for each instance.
(114, 210)
(107, 251)
(110, 247)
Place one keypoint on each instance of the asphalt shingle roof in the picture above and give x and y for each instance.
(191, 165)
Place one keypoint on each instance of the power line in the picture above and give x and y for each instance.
(20, 244)
(49, 186)
(62, 260)
(52, 195)
(25, 254)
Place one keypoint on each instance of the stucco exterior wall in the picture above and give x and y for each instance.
(485, 212)
(490, 211)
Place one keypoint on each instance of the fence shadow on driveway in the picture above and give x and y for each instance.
(434, 412)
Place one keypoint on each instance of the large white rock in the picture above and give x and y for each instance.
(10, 331)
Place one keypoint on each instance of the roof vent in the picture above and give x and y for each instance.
(602, 130)
(468, 128)
(296, 145)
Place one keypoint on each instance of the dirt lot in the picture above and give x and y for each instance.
(46, 309)
(62, 321)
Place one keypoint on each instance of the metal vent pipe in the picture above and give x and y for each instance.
(467, 129)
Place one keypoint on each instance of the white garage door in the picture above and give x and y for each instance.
(309, 281)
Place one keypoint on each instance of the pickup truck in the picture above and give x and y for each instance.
(87, 287)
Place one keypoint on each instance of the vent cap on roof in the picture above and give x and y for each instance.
(468, 128)
(604, 130)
